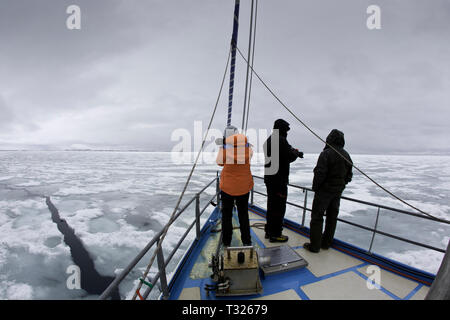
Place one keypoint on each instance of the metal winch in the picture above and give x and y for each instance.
(235, 272)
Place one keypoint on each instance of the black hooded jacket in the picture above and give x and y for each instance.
(287, 154)
(332, 172)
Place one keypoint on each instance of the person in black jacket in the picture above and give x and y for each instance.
(278, 155)
(331, 175)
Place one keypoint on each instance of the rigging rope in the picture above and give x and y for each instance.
(172, 217)
(317, 136)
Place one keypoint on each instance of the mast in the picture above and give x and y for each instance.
(234, 39)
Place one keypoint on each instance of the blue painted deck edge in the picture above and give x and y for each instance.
(186, 264)
(385, 263)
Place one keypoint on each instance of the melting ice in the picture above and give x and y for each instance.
(117, 201)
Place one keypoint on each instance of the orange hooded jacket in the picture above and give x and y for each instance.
(236, 178)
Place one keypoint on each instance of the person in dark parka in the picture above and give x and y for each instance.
(331, 174)
(278, 155)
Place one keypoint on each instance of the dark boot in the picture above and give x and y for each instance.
(307, 246)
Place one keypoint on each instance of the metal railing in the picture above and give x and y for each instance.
(374, 230)
(162, 263)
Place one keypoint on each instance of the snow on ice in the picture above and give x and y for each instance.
(117, 201)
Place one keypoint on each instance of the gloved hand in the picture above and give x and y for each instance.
(299, 153)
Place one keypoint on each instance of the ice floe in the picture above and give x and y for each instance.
(117, 201)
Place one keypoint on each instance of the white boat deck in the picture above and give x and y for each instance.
(330, 274)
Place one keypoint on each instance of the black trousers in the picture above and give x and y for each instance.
(227, 216)
(276, 208)
(329, 203)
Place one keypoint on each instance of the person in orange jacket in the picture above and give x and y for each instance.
(236, 181)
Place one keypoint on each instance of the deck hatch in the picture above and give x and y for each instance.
(279, 259)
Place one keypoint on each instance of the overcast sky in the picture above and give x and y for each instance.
(138, 70)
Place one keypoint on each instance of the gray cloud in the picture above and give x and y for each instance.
(6, 115)
(137, 70)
